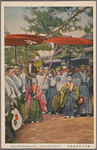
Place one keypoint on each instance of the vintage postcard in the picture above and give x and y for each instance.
(48, 75)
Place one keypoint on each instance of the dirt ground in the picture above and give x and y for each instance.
(57, 129)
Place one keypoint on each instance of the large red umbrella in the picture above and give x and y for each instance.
(68, 41)
(42, 38)
(21, 41)
(14, 40)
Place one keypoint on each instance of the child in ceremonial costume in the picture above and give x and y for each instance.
(69, 93)
(35, 102)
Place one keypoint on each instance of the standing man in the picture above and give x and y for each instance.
(16, 78)
(52, 91)
(22, 105)
(76, 69)
(63, 76)
(32, 68)
(8, 78)
(23, 77)
(9, 104)
(42, 82)
(84, 109)
(90, 83)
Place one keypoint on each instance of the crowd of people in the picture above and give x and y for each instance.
(31, 93)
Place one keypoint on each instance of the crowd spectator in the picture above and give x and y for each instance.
(84, 109)
(42, 82)
(41, 87)
(52, 90)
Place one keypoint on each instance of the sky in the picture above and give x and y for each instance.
(13, 20)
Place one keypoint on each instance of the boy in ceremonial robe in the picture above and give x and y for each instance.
(69, 93)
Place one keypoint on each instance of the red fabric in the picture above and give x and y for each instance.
(70, 41)
(28, 97)
(16, 116)
(14, 40)
(39, 94)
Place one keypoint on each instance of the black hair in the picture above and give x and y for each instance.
(88, 64)
(53, 70)
(15, 65)
(69, 74)
(76, 67)
(8, 69)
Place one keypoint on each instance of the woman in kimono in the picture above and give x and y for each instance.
(69, 93)
(52, 90)
(35, 102)
(84, 109)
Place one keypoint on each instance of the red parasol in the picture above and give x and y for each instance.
(31, 36)
(68, 41)
(15, 40)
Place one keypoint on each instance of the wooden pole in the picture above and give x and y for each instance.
(53, 56)
(15, 56)
(15, 53)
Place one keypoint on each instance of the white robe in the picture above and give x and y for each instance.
(13, 85)
(43, 85)
(23, 77)
(9, 89)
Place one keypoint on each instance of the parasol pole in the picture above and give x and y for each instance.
(53, 56)
(15, 53)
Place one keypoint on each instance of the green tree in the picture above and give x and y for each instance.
(50, 20)
(9, 56)
(6, 32)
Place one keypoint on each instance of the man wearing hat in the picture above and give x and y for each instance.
(42, 82)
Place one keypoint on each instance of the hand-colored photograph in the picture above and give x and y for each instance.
(48, 76)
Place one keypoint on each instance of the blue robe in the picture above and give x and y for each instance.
(52, 91)
(19, 85)
(84, 91)
(68, 109)
(13, 85)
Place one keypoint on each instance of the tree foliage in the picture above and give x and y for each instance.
(55, 19)
(6, 32)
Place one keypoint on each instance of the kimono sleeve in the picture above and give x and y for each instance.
(39, 92)
(64, 93)
(76, 92)
(40, 97)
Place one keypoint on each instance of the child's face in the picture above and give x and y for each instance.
(33, 80)
(69, 78)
